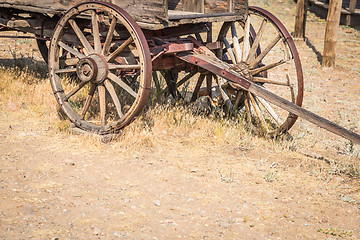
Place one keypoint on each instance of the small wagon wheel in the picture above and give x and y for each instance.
(100, 67)
(277, 67)
(186, 85)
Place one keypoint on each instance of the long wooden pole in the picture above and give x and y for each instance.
(331, 33)
(303, 113)
(300, 20)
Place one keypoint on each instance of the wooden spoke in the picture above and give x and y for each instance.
(240, 97)
(102, 102)
(246, 45)
(197, 88)
(258, 111)
(229, 50)
(113, 55)
(181, 82)
(247, 107)
(224, 95)
(292, 92)
(65, 70)
(75, 90)
(71, 50)
(114, 97)
(81, 36)
(271, 81)
(178, 84)
(116, 79)
(88, 100)
(199, 38)
(124, 67)
(68, 61)
(270, 110)
(287, 51)
(265, 52)
(256, 43)
(208, 84)
(187, 77)
(109, 37)
(95, 31)
(157, 82)
(266, 67)
(235, 43)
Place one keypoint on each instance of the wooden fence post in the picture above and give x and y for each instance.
(300, 20)
(352, 7)
(331, 33)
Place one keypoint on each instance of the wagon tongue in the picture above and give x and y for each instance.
(206, 59)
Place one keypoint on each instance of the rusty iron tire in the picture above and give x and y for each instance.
(100, 67)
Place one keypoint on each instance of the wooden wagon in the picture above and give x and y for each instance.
(103, 55)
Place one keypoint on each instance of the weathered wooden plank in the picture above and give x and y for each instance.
(210, 6)
(149, 14)
(147, 11)
(194, 5)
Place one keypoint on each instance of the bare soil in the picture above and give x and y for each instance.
(174, 183)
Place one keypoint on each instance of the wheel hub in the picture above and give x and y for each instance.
(244, 70)
(93, 68)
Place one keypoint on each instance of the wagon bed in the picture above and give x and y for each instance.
(149, 14)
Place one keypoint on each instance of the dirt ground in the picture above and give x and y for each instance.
(175, 183)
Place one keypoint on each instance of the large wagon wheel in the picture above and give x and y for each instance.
(100, 67)
(277, 67)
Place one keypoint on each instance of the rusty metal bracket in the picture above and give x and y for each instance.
(207, 60)
(171, 48)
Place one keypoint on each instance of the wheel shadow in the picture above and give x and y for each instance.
(25, 64)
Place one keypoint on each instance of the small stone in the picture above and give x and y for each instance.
(69, 162)
(347, 199)
(118, 234)
(96, 231)
(26, 211)
(12, 106)
(224, 225)
(307, 224)
(157, 203)
(107, 177)
(190, 200)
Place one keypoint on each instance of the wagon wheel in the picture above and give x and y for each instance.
(179, 84)
(277, 68)
(100, 67)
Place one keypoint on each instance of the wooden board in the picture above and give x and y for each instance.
(210, 6)
(147, 11)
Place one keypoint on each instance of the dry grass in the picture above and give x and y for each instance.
(26, 93)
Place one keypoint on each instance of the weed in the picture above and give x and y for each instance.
(271, 175)
(335, 232)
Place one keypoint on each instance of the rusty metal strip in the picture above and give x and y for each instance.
(216, 66)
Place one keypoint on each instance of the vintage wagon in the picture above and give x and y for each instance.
(103, 55)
